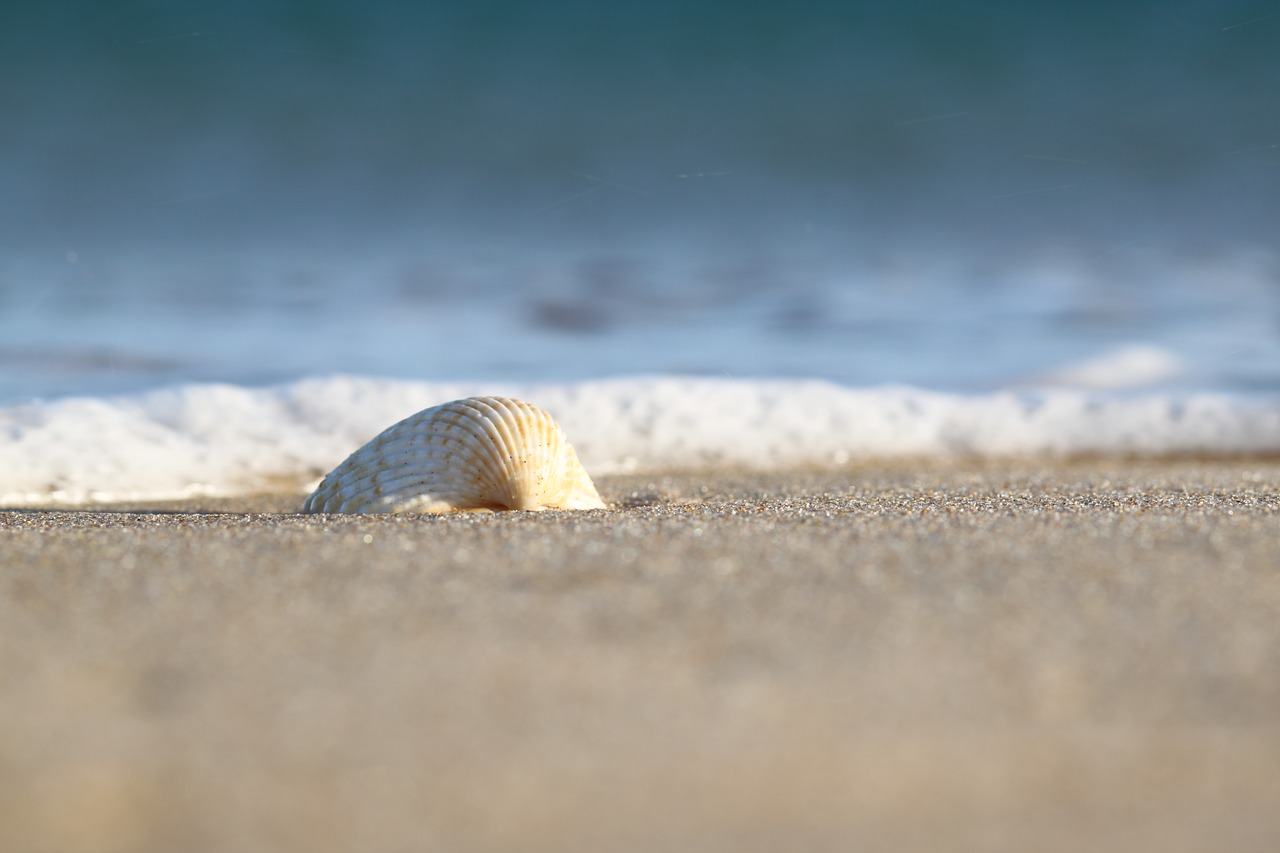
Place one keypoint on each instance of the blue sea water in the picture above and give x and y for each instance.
(954, 195)
(967, 198)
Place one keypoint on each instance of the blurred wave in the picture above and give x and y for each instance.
(954, 195)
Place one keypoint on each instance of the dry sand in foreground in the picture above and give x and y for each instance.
(1078, 656)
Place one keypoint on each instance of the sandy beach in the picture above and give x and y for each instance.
(972, 656)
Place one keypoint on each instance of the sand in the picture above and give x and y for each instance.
(1017, 656)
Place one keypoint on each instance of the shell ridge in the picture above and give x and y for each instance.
(485, 440)
(438, 480)
(406, 487)
(459, 471)
(395, 446)
(461, 444)
(506, 420)
(544, 439)
(497, 418)
(482, 453)
(475, 429)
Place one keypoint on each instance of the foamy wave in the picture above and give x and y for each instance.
(225, 440)
(1129, 367)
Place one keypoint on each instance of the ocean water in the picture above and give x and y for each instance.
(238, 240)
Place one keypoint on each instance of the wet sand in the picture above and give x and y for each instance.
(1071, 656)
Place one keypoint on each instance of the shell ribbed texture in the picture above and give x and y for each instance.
(473, 454)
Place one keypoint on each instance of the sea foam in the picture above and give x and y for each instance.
(210, 439)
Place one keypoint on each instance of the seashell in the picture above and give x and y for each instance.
(474, 454)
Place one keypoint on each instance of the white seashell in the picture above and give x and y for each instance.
(473, 454)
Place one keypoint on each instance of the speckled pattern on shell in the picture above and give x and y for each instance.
(481, 453)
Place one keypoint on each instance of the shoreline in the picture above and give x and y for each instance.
(1002, 655)
(624, 490)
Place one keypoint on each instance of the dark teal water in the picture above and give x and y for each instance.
(945, 194)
